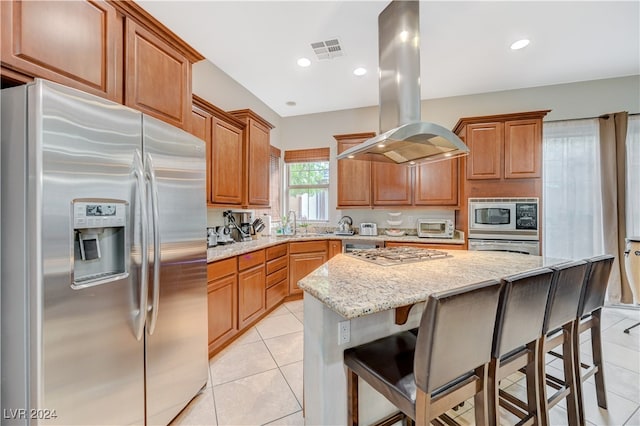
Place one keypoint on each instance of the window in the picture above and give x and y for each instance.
(308, 184)
(572, 190)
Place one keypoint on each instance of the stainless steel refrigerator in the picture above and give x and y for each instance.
(104, 303)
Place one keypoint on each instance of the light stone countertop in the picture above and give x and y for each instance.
(229, 250)
(354, 288)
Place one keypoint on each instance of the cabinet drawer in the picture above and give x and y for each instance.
(307, 246)
(221, 268)
(276, 264)
(276, 293)
(248, 260)
(277, 276)
(276, 251)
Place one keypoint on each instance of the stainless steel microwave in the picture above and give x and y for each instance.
(435, 228)
(504, 218)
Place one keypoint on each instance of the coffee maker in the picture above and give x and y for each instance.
(239, 221)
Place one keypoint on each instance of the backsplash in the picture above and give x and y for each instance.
(380, 217)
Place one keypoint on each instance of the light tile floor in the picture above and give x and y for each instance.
(257, 380)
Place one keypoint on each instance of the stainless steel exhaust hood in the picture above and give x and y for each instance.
(404, 138)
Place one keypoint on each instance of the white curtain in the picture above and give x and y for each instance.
(572, 200)
(633, 176)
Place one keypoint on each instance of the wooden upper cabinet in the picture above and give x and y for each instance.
(436, 184)
(391, 184)
(256, 157)
(226, 162)
(157, 77)
(522, 149)
(224, 135)
(201, 121)
(485, 150)
(75, 43)
(354, 176)
(505, 146)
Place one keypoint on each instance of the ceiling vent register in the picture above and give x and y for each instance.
(328, 49)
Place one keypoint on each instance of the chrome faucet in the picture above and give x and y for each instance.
(295, 225)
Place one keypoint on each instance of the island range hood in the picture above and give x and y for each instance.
(403, 139)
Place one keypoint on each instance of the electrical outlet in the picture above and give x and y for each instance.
(344, 332)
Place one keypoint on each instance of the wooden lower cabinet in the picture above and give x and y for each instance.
(251, 287)
(277, 282)
(335, 247)
(222, 298)
(304, 258)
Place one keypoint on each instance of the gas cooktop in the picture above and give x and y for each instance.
(397, 255)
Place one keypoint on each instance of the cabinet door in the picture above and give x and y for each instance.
(201, 128)
(335, 247)
(223, 311)
(157, 77)
(226, 163)
(75, 43)
(485, 144)
(436, 184)
(391, 184)
(301, 265)
(354, 179)
(522, 149)
(251, 295)
(257, 164)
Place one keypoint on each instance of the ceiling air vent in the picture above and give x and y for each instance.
(328, 49)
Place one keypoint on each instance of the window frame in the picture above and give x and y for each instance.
(289, 186)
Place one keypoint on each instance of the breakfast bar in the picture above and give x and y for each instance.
(350, 301)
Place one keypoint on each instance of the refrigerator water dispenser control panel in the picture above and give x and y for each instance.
(98, 215)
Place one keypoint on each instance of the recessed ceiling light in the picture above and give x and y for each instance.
(304, 62)
(359, 71)
(520, 44)
(291, 103)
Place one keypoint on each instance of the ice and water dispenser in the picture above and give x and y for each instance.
(100, 242)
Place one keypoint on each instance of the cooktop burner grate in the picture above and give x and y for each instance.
(397, 255)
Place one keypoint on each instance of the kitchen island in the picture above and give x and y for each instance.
(368, 297)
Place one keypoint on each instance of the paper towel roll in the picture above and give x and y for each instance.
(267, 225)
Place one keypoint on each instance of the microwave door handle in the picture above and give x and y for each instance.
(150, 176)
(144, 262)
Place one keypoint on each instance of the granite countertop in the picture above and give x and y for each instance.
(235, 249)
(353, 287)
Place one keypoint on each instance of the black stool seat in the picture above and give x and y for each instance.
(387, 365)
(444, 365)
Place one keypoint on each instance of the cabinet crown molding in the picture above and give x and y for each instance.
(217, 112)
(136, 12)
(245, 114)
(499, 117)
(363, 135)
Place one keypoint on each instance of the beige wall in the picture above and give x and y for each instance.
(566, 101)
(217, 87)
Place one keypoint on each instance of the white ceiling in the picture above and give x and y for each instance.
(465, 46)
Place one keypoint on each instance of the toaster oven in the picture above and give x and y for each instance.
(435, 228)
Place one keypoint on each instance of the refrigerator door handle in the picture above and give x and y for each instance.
(150, 176)
(138, 172)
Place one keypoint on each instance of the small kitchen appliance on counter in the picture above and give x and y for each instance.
(435, 228)
(224, 235)
(344, 226)
(212, 237)
(369, 229)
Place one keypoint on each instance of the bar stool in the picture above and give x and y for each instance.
(445, 364)
(589, 319)
(561, 312)
(517, 335)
